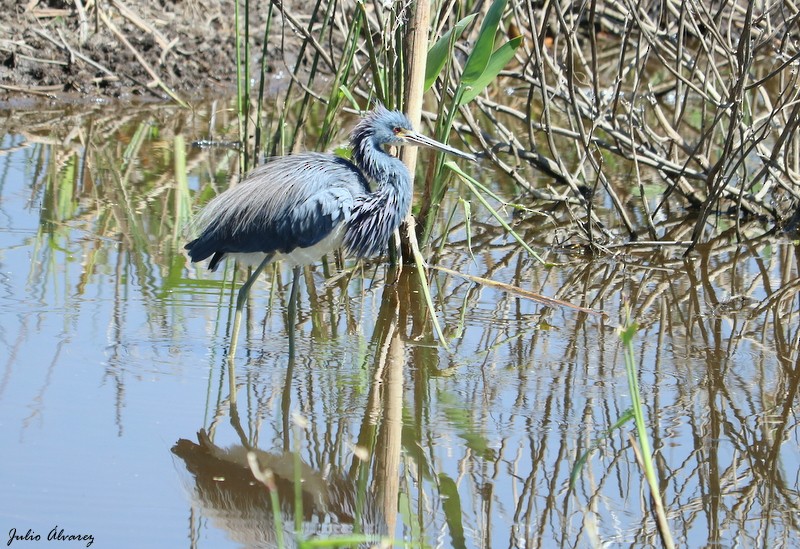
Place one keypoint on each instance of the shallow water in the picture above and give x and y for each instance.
(115, 359)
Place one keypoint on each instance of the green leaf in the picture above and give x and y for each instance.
(438, 54)
(498, 61)
(472, 185)
(628, 332)
(344, 90)
(484, 46)
(626, 416)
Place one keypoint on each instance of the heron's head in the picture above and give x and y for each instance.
(384, 127)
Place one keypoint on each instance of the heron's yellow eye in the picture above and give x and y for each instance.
(397, 130)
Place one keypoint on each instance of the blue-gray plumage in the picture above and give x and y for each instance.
(300, 207)
(291, 202)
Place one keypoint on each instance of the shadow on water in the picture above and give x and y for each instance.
(115, 348)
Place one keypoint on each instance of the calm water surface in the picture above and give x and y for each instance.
(122, 420)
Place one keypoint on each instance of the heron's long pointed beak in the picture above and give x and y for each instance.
(414, 138)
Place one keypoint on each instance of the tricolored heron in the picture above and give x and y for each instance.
(299, 207)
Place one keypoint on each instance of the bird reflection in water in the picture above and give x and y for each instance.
(227, 492)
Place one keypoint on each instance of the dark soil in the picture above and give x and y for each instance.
(70, 50)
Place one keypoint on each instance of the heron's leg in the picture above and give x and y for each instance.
(241, 299)
(293, 308)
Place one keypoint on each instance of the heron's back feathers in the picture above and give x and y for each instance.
(291, 202)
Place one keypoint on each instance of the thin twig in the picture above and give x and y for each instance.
(156, 79)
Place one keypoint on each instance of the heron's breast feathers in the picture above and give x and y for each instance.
(374, 219)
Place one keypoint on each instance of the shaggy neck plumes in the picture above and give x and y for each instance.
(379, 213)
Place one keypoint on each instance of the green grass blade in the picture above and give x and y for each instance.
(344, 90)
(261, 81)
(581, 461)
(423, 279)
(626, 334)
(484, 46)
(471, 183)
(352, 540)
(441, 50)
(183, 204)
(497, 62)
(240, 91)
(377, 73)
(68, 176)
(468, 225)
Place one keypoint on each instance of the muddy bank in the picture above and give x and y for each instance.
(120, 50)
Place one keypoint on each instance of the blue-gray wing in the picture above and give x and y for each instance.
(291, 202)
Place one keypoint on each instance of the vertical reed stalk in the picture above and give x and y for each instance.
(258, 128)
(646, 456)
(240, 93)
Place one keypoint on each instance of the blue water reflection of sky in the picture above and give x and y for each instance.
(104, 369)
